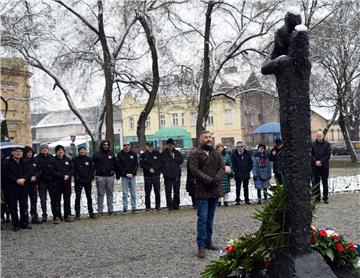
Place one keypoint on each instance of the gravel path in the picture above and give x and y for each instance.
(143, 245)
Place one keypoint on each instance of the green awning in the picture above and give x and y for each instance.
(171, 132)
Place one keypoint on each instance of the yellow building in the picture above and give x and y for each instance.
(15, 91)
(180, 112)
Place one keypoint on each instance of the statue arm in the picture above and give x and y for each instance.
(273, 66)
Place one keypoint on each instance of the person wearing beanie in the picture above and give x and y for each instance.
(46, 180)
(105, 168)
(261, 171)
(33, 183)
(83, 176)
(277, 156)
(171, 159)
(63, 173)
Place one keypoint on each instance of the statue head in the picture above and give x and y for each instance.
(292, 18)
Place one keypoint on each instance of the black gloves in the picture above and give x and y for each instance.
(211, 187)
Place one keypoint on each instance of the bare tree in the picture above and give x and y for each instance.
(336, 50)
(33, 31)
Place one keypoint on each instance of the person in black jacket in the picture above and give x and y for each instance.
(150, 162)
(83, 176)
(46, 164)
(320, 156)
(242, 165)
(105, 168)
(33, 186)
(63, 172)
(17, 175)
(171, 159)
(277, 156)
(128, 164)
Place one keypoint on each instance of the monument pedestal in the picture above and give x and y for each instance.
(310, 265)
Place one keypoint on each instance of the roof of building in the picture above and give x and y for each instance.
(67, 117)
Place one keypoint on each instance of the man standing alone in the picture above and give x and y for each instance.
(208, 168)
(320, 156)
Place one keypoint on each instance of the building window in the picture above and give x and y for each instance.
(147, 123)
(228, 117)
(162, 120)
(210, 120)
(193, 119)
(175, 119)
(131, 123)
(182, 119)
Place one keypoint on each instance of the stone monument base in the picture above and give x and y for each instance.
(310, 265)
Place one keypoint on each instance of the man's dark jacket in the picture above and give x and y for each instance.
(105, 163)
(150, 160)
(242, 164)
(127, 163)
(13, 171)
(320, 151)
(170, 167)
(208, 170)
(63, 167)
(83, 169)
(46, 165)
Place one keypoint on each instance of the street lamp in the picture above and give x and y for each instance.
(72, 146)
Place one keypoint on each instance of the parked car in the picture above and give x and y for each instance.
(339, 148)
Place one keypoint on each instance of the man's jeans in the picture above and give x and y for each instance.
(205, 212)
(126, 183)
(105, 184)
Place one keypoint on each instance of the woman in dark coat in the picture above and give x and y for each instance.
(225, 183)
(261, 171)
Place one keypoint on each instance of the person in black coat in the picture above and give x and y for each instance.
(105, 168)
(46, 164)
(150, 162)
(33, 183)
(171, 159)
(128, 164)
(190, 184)
(320, 156)
(242, 165)
(17, 175)
(83, 176)
(63, 173)
(277, 156)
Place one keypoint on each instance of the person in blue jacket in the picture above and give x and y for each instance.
(261, 171)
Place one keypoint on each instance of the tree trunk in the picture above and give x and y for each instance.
(140, 129)
(206, 89)
(109, 77)
(349, 145)
(331, 121)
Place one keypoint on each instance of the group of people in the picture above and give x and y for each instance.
(25, 176)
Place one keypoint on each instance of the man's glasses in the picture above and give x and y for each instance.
(125, 145)
(240, 147)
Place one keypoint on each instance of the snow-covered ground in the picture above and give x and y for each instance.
(336, 184)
